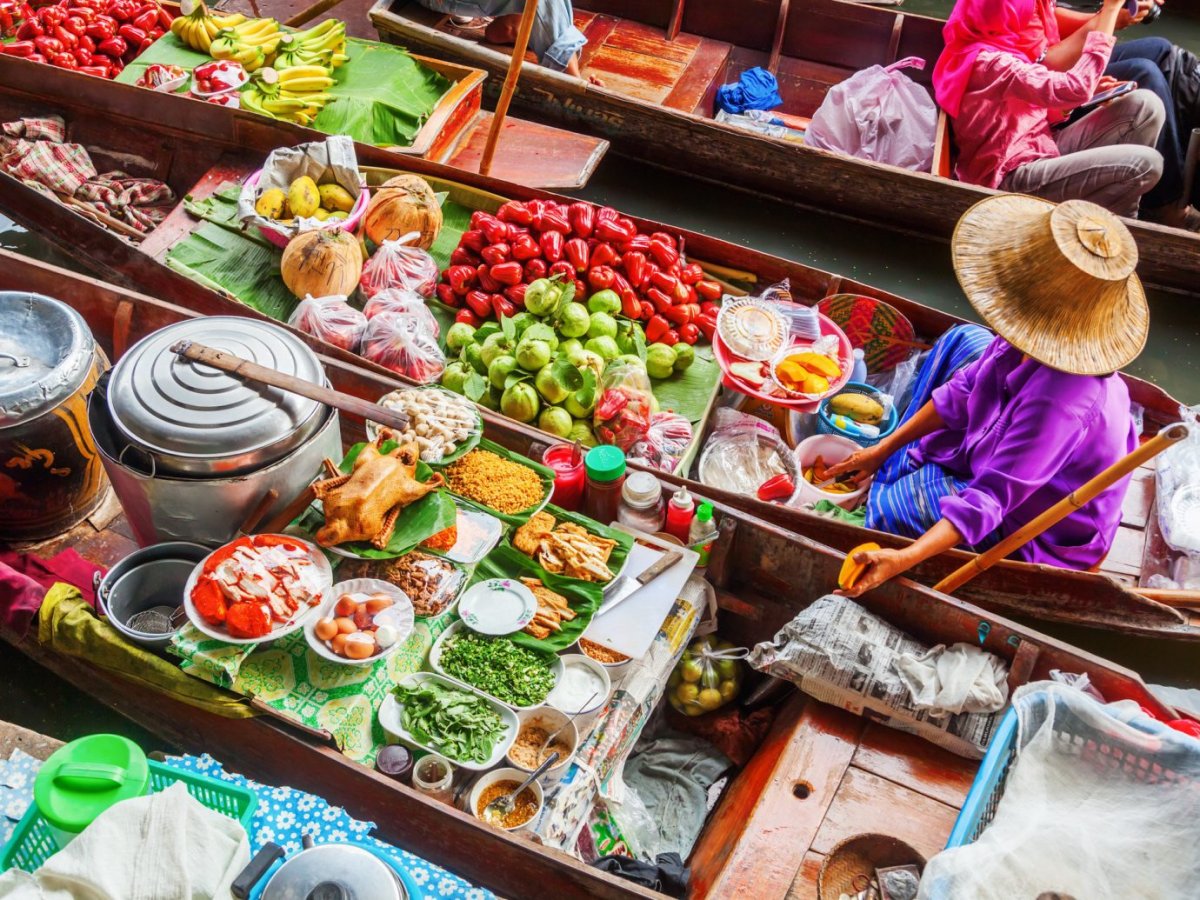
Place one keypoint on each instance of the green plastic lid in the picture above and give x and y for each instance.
(87, 776)
(704, 512)
(605, 463)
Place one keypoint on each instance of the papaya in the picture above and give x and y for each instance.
(851, 570)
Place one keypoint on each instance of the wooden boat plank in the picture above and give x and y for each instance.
(597, 31)
(14, 737)
(532, 153)
(753, 26)
(699, 77)
(638, 38)
(1139, 497)
(762, 827)
(860, 807)
(805, 885)
(913, 762)
(1125, 557)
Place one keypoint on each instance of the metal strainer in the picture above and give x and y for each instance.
(157, 620)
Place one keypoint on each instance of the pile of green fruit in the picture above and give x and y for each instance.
(545, 363)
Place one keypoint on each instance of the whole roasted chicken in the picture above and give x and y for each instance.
(364, 505)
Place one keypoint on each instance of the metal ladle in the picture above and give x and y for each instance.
(502, 805)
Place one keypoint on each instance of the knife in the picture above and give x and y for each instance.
(621, 589)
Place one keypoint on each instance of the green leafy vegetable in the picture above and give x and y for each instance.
(461, 725)
(497, 666)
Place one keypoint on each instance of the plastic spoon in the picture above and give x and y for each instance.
(502, 805)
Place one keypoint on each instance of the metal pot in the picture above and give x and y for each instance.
(176, 417)
(324, 872)
(150, 577)
(205, 510)
(50, 474)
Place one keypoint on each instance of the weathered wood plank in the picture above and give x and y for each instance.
(915, 763)
(805, 885)
(706, 64)
(866, 803)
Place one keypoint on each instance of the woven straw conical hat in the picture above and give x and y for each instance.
(1055, 281)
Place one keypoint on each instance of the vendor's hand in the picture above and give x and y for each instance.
(1107, 83)
(1124, 19)
(882, 566)
(864, 463)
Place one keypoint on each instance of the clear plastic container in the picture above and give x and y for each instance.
(751, 328)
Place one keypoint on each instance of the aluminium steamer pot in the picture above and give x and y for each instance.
(175, 417)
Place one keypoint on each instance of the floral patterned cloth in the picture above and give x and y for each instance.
(16, 790)
(288, 676)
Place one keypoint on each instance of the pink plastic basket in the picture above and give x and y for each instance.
(772, 394)
(279, 237)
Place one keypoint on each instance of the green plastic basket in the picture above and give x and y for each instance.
(32, 843)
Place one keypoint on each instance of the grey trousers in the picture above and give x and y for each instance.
(1108, 157)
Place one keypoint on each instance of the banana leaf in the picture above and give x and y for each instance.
(545, 473)
(381, 95)
(584, 597)
(426, 517)
(616, 559)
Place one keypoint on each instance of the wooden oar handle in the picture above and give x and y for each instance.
(251, 371)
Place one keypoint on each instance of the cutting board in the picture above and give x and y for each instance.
(632, 626)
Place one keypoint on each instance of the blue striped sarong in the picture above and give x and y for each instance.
(906, 498)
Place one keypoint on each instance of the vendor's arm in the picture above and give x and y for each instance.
(1074, 27)
(868, 460)
(1039, 85)
(884, 565)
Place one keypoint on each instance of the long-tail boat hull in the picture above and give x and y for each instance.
(820, 774)
(662, 60)
(197, 147)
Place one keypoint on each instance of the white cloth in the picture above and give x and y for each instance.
(960, 678)
(164, 846)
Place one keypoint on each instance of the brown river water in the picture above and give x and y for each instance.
(903, 264)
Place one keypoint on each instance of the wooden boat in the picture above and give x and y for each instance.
(821, 774)
(662, 60)
(196, 148)
(530, 153)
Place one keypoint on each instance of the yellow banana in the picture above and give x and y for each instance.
(297, 73)
(228, 21)
(253, 27)
(283, 105)
(306, 85)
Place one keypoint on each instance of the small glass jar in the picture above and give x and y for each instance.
(605, 467)
(642, 506)
(433, 775)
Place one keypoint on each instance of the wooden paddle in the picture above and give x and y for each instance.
(510, 85)
(250, 371)
(1170, 435)
(1177, 599)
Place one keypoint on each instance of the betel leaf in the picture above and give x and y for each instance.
(566, 374)
(475, 386)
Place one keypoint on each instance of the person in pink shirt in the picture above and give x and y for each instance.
(1011, 114)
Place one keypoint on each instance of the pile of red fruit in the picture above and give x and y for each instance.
(97, 37)
(597, 249)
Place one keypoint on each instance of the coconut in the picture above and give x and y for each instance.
(403, 205)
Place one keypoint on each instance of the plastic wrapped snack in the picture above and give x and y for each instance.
(401, 265)
(401, 300)
(743, 453)
(431, 583)
(665, 442)
(331, 319)
(624, 405)
(406, 344)
(708, 676)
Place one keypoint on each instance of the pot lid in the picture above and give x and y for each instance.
(185, 409)
(334, 872)
(46, 351)
(85, 777)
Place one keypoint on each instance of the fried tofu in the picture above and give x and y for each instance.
(529, 536)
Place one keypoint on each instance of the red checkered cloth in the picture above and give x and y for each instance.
(34, 151)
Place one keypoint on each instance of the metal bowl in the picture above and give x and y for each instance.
(153, 576)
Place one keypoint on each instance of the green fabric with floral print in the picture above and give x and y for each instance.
(288, 676)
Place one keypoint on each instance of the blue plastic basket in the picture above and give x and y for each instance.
(32, 843)
(980, 806)
(826, 424)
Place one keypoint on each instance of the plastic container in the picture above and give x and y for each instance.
(642, 506)
(486, 781)
(32, 842)
(858, 371)
(680, 512)
(570, 475)
(832, 449)
(605, 468)
(701, 534)
(828, 423)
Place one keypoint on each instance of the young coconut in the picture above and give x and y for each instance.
(403, 204)
(321, 263)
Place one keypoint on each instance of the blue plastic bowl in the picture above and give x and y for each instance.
(826, 425)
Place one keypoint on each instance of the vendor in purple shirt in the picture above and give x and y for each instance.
(987, 445)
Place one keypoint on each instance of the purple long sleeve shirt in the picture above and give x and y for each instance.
(1024, 436)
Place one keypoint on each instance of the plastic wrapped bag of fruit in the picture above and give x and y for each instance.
(404, 343)
(624, 404)
(331, 319)
(707, 676)
(400, 265)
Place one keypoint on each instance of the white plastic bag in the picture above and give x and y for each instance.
(404, 343)
(331, 319)
(401, 301)
(879, 114)
(400, 265)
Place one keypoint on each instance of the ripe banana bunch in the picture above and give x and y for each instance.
(252, 42)
(198, 28)
(295, 95)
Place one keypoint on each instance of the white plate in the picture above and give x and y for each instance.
(278, 631)
(391, 709)
(400, 616)
(497, 606)
(435, 662)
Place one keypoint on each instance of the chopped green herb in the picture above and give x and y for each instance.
(499, 667)
(461, 725)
